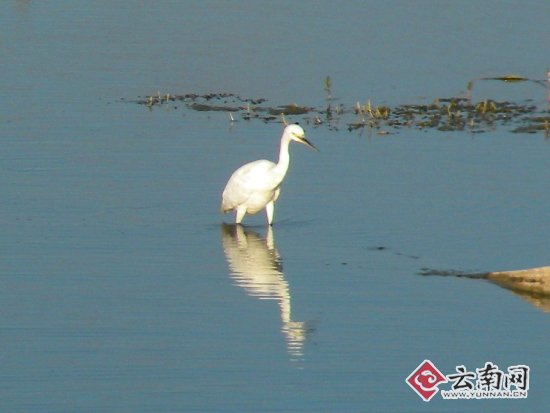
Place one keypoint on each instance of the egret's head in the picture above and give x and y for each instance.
(297, 134)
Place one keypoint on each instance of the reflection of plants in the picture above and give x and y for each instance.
(328, 86)
(512, 79)
(444, 114)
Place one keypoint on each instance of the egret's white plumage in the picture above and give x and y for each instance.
(257, 184)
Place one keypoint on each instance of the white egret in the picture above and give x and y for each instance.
(257, 184)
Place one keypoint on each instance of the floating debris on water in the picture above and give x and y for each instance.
(455, 114)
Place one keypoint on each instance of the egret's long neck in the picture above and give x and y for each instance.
(284, 156)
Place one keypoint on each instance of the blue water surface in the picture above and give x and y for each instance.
(121, 290)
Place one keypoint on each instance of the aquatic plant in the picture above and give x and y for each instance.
(453, 114)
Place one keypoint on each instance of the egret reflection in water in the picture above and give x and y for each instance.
(256, 266)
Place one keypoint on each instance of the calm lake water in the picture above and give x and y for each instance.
(121, 288)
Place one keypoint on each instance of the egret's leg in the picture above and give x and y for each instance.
(269, 212)
(239, 214)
